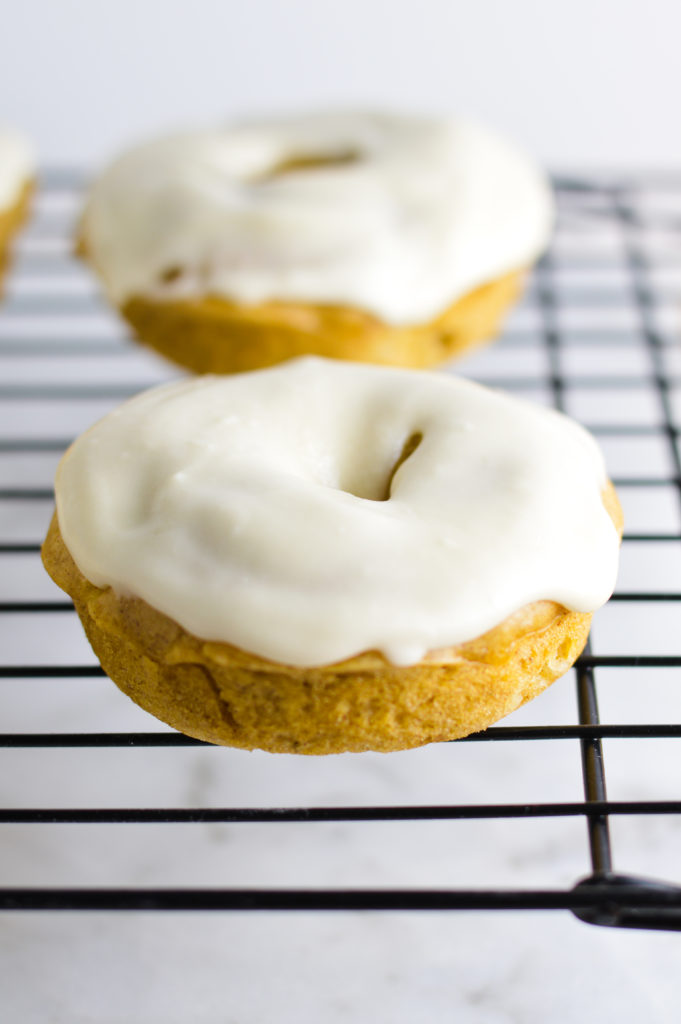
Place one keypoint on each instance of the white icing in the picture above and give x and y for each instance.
(17, 167)
(430, 210)
(248, 509)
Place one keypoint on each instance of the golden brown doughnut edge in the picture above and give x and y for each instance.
(224, 695)
(211, 334)
(11, 220)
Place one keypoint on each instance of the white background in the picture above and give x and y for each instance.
(586, 83)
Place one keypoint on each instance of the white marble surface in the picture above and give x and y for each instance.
(392, 968)
(322, 968)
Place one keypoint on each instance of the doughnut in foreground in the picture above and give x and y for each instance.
(323, 557)
(379, 238)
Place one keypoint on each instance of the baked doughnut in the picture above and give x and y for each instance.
(376, 238)
(17, 173)
(324, 557)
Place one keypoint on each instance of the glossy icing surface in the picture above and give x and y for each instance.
(264, 509)
(395, 215)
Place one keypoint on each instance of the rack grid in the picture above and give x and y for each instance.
(612, 284)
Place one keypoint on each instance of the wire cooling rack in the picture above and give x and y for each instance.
(597, 335)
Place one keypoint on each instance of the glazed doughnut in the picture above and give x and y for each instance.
(323, 556)
(17, 171)
(378, 238)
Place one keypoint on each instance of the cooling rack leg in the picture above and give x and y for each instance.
(666, 914)
(593, 770)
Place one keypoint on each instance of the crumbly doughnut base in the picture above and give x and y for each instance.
(214, 335)
(224, 695)
(11, 220)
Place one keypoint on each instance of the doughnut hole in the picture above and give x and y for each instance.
(408, 448)
(170, 275)
(308, 162)
(373, 483)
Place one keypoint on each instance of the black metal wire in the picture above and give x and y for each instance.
(603, 897)
(87, 671)
(593, 810)
(592, 753)
(526, 733)
(662, 904)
